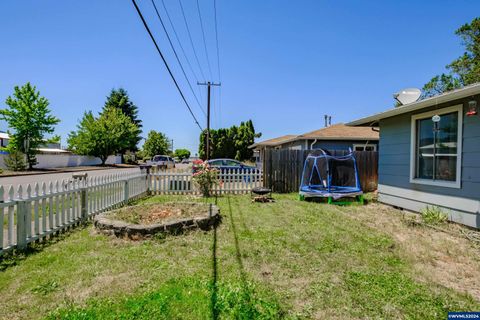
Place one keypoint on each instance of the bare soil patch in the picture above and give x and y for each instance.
(159, 213)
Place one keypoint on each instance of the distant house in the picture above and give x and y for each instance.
(335, 137)
(4, 138)
(429, 154)
(46, 148)
(275, 143)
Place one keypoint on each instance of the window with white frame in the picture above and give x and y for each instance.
(364, 147)
(437, 147)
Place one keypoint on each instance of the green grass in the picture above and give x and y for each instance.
(288, 259)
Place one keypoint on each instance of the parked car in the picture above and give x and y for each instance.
(227, 166)
(162, 161)
(185, 161)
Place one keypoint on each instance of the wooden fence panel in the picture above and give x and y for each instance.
(282, 169)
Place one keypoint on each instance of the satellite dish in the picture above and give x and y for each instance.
(407, 95)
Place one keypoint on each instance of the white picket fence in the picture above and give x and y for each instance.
(32, 213)
(232, 181)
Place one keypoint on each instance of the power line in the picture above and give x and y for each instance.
(179, 42)
(165, 62)
(204, 39)
(216, 39)
(191, 40)
(218, 64)
(176, 56)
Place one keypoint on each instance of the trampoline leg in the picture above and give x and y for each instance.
(330, 200)
(360, 199)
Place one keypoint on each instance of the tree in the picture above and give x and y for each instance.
(230, 142)
(464, 70)
(29, 116)
(100, 137)
(156, 143)
(182, 154)
(15, 161)
(119, 99)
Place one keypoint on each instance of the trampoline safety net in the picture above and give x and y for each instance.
(329, 176)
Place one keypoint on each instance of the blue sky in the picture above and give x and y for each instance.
(284, 64)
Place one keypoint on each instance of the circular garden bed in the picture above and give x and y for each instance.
(145, 220)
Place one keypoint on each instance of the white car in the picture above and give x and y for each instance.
(165, 162)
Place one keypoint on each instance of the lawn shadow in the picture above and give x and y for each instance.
(238, 252)
(214, 288)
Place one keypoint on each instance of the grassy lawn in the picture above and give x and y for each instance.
(288, 259)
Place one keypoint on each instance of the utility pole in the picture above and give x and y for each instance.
(208, 84)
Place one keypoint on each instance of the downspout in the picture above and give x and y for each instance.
(311, 146)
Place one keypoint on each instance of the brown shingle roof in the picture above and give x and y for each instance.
(275, 141)
(341, 132)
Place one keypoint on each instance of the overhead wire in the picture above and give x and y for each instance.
(218, 63)
(165, 63)
(176, 56)
(191, 40)
(216, 40)
(178, 40)
(204, 39)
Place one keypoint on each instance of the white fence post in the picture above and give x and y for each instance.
(21, 223)
(126, 193)
(84, 202)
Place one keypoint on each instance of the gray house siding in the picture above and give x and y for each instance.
(339, 145)
(394, 168)
(324, 144)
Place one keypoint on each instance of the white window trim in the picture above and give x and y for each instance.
(413, 142)
(364, 146)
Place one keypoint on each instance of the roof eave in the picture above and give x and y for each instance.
(339, 138)
(446, 97)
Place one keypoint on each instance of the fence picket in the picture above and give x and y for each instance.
(50, 206)
(44, 207)
(28, 218)
(35, 211)
(11, 213)
(2, 217)
(57, 205)
(64, 200)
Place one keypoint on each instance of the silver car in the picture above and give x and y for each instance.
(162, 161)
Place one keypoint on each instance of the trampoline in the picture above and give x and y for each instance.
(330, 177)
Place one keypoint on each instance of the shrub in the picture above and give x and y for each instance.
(205, 177)
(433, 215)
(129, 158)
(15, 161)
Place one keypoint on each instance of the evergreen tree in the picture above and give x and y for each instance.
(230, 142)
(119, 99)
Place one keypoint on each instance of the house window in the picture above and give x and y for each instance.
(364, 147)
(436, 148)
